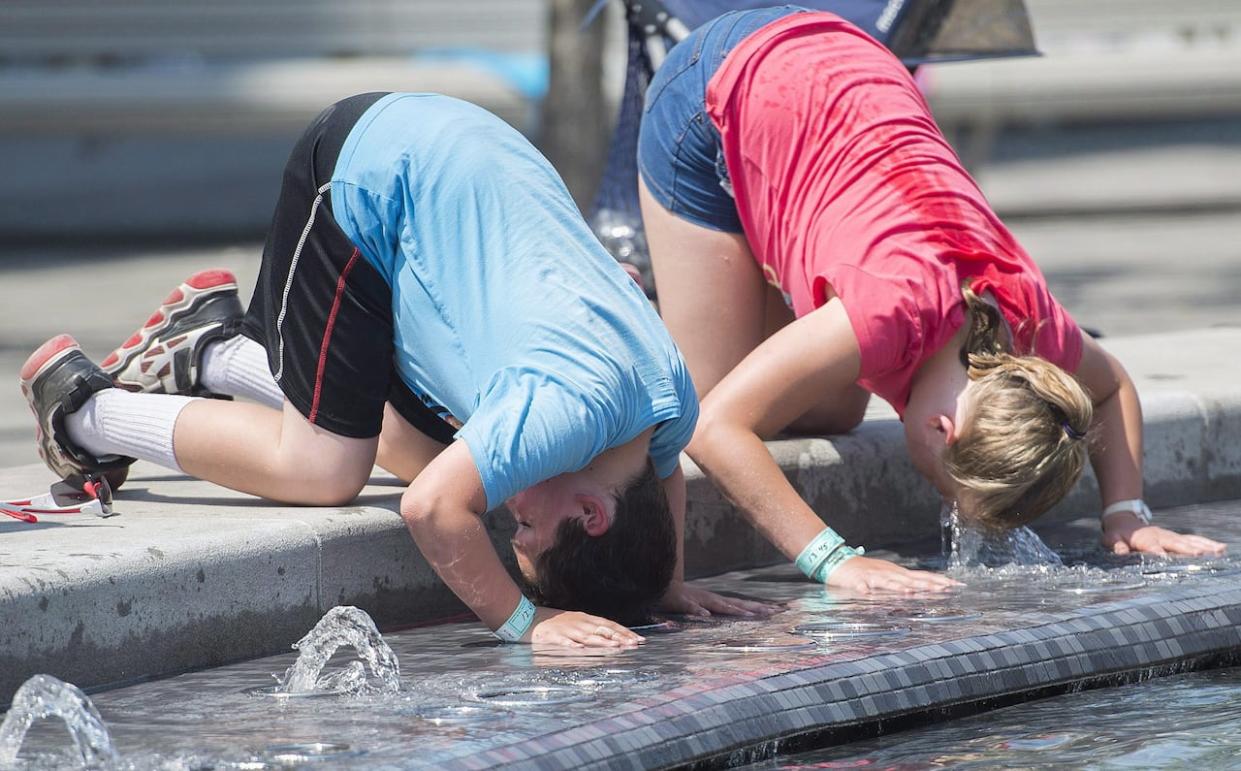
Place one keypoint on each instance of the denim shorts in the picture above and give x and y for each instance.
(679, 154)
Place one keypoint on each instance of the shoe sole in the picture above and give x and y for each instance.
(44, 358)
(196, 289)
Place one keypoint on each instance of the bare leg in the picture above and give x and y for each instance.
(710, 292)
(273, 454)
(714, 301)
(404, 450)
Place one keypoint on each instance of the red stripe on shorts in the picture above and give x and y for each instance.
(327, 334)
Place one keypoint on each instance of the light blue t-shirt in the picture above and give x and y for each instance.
(507, 310)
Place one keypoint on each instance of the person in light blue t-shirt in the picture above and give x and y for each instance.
(429, 299)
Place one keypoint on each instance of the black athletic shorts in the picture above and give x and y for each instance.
(321, 311)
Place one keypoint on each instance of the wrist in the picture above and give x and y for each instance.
(824, 554)
(518, 623)
(1135, 508)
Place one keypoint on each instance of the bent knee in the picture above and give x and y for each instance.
(325, 475)
(330, 490)
(811, 425)
(840, 418)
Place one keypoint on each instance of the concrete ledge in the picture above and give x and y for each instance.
(191, 575)
(1141, 83)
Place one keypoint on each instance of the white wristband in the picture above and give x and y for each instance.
(1135, 506)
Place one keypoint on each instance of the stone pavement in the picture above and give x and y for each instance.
(191, 575)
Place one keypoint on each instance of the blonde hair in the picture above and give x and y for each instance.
(1024, 444)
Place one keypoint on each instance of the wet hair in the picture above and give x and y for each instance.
(1024, 444)
(620, 574)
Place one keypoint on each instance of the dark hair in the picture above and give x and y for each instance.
(618, 575)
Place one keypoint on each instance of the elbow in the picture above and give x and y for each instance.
(417, 509)
(713, 430)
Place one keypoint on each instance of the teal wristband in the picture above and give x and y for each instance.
(817, 551)
(518, 624)
(834, 560)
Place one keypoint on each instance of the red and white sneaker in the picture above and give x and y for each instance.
(58, 380)
(164, 356)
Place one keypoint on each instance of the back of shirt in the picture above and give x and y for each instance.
(507, 310)
(843, 182)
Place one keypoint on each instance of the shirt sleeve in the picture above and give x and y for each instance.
(884, 321)
(1059, 339)
(528, 428)
(672, 436)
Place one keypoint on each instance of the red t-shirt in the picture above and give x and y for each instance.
(844, 183)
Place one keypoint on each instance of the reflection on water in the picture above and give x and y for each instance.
(527, 696)
(763, 644)
(849, 630)
(1186, 721)
(934, 614)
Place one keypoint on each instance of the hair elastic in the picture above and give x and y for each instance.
(519, 623)
(1072, 432)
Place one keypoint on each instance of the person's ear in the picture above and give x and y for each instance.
(596, 518)
(943, 425)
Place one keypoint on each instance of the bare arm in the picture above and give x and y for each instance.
(1116, 449)
(792, 370)
(443, 509)
(1116, 456)
(674, 489)
(682, 598)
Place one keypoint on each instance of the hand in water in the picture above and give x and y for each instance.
(694, 601)
(868, 575)
(1127, 534)
(580, 630)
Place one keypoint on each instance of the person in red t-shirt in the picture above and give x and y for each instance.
(787, 148)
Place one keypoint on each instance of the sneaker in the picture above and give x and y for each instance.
(165, 355)
(56, 380)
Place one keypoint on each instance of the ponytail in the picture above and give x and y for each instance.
(1024, 444)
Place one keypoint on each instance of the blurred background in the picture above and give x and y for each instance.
(144, 139)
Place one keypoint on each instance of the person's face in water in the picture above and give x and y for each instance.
(931, 427)
(540, 509)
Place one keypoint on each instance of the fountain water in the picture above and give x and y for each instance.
(342, 625)
(970, 547)
(717, 684)
(44, 696)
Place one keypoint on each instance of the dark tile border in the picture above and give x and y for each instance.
(826, 703)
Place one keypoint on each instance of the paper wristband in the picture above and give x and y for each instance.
(834, 560)
(1136, 506)
(818, 550)
(518, 623)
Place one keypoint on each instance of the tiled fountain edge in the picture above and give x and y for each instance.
(747, 721)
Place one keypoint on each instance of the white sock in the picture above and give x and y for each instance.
(118, 422)
(238, 367)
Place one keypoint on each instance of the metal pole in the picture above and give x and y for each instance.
(574, 131)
